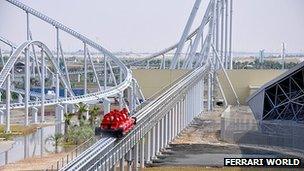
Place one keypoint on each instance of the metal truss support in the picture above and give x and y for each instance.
(226, 75)
(199, 36)
(58, 62)
(230, 37)
(42, 86)
(85, 68)
(105, 72)
(185, 34)
(27, 73)
(1, 57)
(226, 34)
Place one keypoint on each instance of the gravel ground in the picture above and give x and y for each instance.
(199, 146)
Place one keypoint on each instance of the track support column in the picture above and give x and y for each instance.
(148, 147)
(8, 103)
(135, 152)
(142, 153)
(42, 86)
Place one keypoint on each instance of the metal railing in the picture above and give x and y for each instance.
(72, 154)
(186, 94)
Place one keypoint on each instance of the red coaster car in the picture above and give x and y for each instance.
(117, 123)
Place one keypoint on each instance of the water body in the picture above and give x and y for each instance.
(35, 144)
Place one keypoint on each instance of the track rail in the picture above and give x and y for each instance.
(147, 117)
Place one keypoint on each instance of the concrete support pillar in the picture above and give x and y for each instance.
(20, 98)
(122, 164)
(135, 152)
(176, 120)
(53, 80)
(1, 117)
(106, 105)
(185, 113)
(169, 125)
(153, 145)
(8, 103)
(174, 123)
(161, 134)
(148, 147)
(166, 129)
(65, 96)
(178, 117)
(131, 99)
(34, 112)
(142, 153)
(157, 138)
(26, 147)
(129, 160)
(120, 100)
(59, 118)
(78, 78)
(41, 141)
(6, 157)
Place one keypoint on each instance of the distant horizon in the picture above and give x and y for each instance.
(148, 26)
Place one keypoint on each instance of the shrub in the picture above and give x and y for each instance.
(79, 134)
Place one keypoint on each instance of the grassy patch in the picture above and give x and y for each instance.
(18, 130)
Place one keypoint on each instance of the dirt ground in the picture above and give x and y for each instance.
(34, 163)
(199, 147)
(204, 129)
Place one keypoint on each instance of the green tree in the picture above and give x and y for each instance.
(93, 114)
(82, 108)
(67, 121)
(56, 138)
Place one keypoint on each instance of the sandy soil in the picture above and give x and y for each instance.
(204, 129)
(35, 163)
(198, 147)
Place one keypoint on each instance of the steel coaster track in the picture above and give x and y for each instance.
(147, 117)
(69, 100)
(114, 90)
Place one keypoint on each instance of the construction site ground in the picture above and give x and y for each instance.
(198, 147)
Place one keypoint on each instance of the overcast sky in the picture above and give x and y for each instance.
(149, 26)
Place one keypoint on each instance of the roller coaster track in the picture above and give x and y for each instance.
(70, 100)
(160, 120)
(124, 84)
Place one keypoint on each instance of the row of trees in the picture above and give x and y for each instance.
(81, 130)
(267, 64)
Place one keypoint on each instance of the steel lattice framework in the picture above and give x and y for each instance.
(281, 98)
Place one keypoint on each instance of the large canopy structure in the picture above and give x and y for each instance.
(281, 98)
